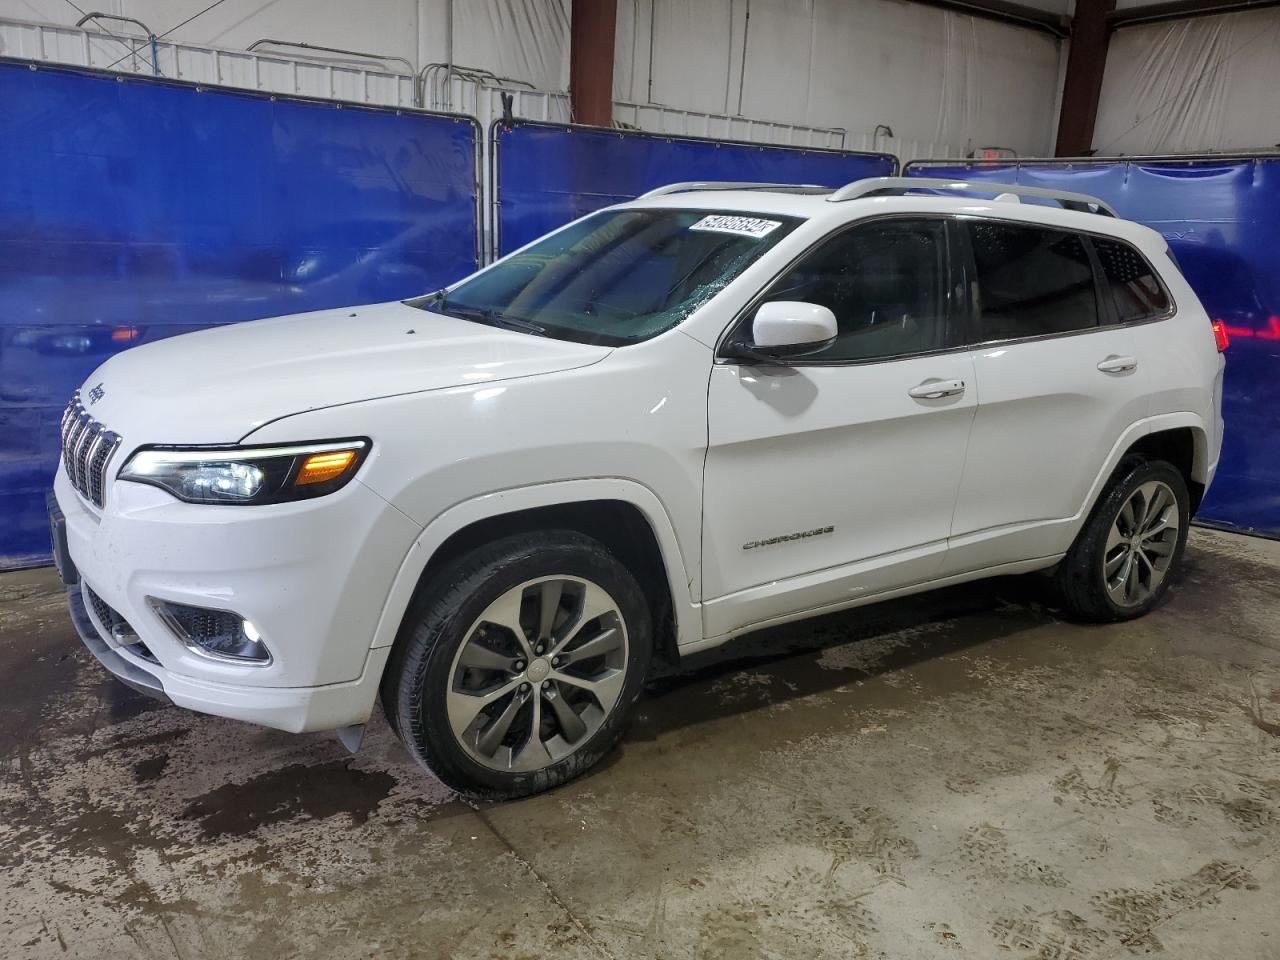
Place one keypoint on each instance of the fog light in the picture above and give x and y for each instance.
(218, 634)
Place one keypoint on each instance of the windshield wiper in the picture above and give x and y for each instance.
(487, 315)
(515, 323)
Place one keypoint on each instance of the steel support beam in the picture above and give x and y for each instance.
(591, 61)
(1007, 11)
(1086, 61)
(1183, 10)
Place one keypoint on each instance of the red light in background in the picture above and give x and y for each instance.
(124, 334)
(1271, 332)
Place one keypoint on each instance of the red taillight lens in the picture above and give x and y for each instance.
(1220, 335)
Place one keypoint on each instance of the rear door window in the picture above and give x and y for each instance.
(1134, 286)
(1030, 281)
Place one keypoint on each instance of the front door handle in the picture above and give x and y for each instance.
(1114, 364)
(935, 389)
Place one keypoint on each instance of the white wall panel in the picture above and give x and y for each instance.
(929, 74)
(381, 26)
(1190, 86)
(691, 53)
(525, 39)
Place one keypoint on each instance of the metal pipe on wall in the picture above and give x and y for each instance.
(653, 15)
(742, 67)
(151, 36)
(728, 66)
(340, 50)
(448, 53)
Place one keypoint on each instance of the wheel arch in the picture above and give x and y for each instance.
(1185, 447)
(1180, 438)
(624, 515)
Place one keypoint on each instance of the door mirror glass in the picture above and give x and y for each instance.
(787, 327)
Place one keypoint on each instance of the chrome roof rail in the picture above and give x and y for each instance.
(899, 186)
(726, 185)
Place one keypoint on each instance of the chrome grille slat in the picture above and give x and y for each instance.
(91, 453)
(83, 436)
(68, 441)
(87, 449)
(76, 427)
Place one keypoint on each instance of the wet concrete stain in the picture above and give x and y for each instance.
(961, 773)
(314, 792)
(151, 768)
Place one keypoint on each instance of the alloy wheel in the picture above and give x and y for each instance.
(1141, 544)
(538, 673)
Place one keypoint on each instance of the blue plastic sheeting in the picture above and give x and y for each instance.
(136, 209)
(1221, 218)
(547, 174)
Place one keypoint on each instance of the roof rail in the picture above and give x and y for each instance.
(898, 186)
(726, 185)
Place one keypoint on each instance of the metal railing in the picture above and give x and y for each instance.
(267, 71)
(339, 50)
(130, 42)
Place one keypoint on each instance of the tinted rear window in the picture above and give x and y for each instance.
(1137, 291)
(1031, 281)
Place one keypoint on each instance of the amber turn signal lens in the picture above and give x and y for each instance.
(320, 467)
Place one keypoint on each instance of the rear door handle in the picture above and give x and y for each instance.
(935, 389)
(1114, 364)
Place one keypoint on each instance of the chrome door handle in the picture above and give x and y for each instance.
(1114, 364)
(935, 389)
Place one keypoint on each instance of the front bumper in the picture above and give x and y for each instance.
(312, 576)
(119, 666)
(295, 709)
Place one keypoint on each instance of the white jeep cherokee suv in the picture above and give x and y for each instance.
(715, 408)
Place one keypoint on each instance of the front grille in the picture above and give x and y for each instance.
(87, 448)
(117, 626)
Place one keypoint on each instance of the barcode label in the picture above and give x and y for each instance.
(742, 226)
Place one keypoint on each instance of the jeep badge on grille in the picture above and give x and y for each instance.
(96, 394)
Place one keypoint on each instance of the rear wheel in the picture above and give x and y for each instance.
(1120, 564)
(522, 667)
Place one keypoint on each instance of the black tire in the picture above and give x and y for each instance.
(1080, 579)
(420, 672)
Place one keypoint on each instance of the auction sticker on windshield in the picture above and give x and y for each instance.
(743, 226)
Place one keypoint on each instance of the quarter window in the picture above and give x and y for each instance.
(1031, 281)
(886, 284)
(1134, 286)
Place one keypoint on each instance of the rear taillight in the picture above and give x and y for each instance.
(1220, 335)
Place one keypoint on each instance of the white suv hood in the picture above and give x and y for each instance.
(217, 385)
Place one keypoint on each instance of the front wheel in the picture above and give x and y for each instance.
(1120, 564)
(522, 667)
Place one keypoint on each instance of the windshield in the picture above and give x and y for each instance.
(617, 277)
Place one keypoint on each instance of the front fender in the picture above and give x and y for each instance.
(686, 613)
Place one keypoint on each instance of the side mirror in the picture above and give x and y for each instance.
(788, 328)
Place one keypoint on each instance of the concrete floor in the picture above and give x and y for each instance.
(961, 774)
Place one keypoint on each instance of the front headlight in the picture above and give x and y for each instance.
(248, 475)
